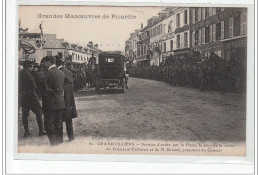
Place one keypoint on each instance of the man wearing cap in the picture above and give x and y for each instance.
(70, 111)
(29, 99)
(53, 101)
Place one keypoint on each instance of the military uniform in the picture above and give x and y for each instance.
(29, 100)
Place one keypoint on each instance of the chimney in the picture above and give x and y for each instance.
(142, 25)
(96, 45)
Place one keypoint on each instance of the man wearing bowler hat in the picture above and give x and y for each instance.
(53, 101)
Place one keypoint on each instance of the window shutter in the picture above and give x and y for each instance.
(231, 28)
(193, 16)
(193, 38)
(222, 30)
(203, 13)
(210, 34)
(241, 24)
(214, 11)
(199, 14)
(214, 32)
(210, 11)
(203, 36)
(199, 37)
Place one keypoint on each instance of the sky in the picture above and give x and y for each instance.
(109, 33)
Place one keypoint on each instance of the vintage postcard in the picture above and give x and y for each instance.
(133, 80)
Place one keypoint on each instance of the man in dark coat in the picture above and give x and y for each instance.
(70, 111)
(29, 99)
(53, 101)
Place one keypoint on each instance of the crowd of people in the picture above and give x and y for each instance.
(52, 82)
(208, 73)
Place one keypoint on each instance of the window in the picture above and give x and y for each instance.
(203, 36)
(207, 34)
(171, 42)
(196, 38)
(193, 16)
(230, 33)
(170, 27)
(164, 28)
(206, 12)
(218, 10)
(185, 17)
(154, 31)
(213, 10)
(210, 11)
(178, 41)
(160, 27)
(243, 23)
(199, 14)
(164, 46)
(49, 53)
(196, 15)
(193, 39)
(203, 13)
(237, 25)
(218, 31)
(214, 32)
(222, 30)
(60, 54)
(110, 60)
(145, 50)
(178, 20)
(185, 39)
(158, 30)
(199, 40)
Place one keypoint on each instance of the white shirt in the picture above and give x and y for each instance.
(60, 67)
(52, 66)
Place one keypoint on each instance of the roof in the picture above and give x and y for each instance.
(51, 42)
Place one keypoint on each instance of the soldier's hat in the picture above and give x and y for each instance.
(59, 60)
(27, 64)
(48, 58)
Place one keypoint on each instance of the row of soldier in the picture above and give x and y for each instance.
(212, 73)
(51, 82)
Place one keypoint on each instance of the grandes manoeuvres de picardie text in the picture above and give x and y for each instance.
(179, 75)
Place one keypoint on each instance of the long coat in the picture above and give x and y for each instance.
(27, 94)
(53, 97)
(70, 106)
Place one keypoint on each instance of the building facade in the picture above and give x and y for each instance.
(39, 46)
(156, 41)
(143, 53)
(131, 48)
(182, 32)
(219, 30)
(178, 31)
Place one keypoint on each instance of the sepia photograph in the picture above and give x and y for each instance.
(132, 80)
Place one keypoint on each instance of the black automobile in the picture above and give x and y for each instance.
(111, 71)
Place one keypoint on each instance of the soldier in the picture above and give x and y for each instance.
(29, 99)
(53, 101)
(70, 111)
